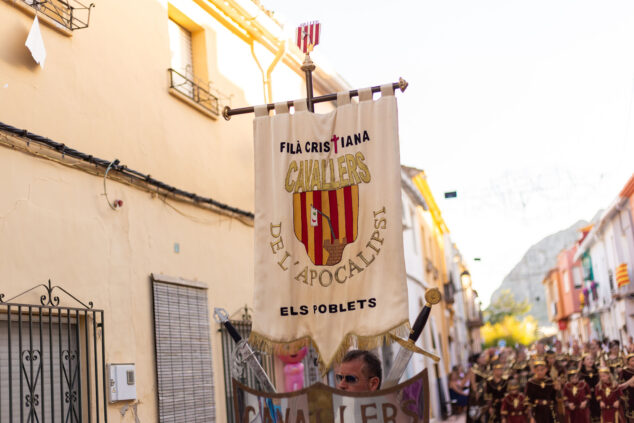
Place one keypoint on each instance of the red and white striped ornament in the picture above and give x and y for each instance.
(307, 35)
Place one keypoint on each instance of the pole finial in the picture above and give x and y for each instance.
(225, 113)
(402, 84)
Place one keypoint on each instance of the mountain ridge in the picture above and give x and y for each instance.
(525, 278)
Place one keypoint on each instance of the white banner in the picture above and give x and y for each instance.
(404, 403)
(329, 264)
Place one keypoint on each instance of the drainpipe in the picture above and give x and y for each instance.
(257, 62)
(266, 77)
(278, 57)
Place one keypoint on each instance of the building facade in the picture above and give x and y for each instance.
(414, 208)
(125, 188)
(571, 281)
(433, 261)
(589, 292)
(607, 254)
(563, 285)
(127, 212)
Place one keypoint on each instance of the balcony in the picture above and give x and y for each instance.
(194, 93)
(475, 319)
(431, 269)
(450, 291)
(475, 323)
(70, 14)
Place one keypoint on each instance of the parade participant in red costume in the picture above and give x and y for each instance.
(589, 373)
(595, 352)
(494, 392)
(542, 395)
(576, 394)
(575, 354)
(614, 359)
(521, 369)
(608, 394)
(626, 374)
(514, 405)
(556, 373)
(479, 374)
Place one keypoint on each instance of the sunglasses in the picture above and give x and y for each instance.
(350, 379)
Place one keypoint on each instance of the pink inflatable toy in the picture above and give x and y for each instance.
(293, 370)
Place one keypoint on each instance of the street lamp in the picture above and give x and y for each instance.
(465, 279)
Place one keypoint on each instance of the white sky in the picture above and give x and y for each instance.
(523, 107)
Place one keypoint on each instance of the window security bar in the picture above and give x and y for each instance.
(53, 360)
(70, 14)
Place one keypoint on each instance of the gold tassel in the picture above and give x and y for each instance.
(264, 344)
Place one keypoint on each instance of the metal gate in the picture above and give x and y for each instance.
(52, 366)
(243, 327)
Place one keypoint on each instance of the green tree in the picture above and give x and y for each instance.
(505, 305)
(511, 330)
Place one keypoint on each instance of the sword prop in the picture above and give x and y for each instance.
(244, 350)
(432, 296)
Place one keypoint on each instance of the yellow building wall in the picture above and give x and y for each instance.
(104, 91)
(433, 230)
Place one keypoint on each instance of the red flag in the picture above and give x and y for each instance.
(307, 35)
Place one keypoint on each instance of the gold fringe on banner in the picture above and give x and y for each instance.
(264, 344)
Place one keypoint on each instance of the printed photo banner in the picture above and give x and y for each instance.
(404, 403)
(329, 265)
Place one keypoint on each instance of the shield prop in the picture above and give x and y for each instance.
(325, 222)
(319, 403)
(307, 35)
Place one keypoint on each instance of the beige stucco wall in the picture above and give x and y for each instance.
(104, 91)
(56, 224)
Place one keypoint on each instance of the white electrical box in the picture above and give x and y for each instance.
(121, 382)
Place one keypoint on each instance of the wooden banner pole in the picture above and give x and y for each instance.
(228, 112)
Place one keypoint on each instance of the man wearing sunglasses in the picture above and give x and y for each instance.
(359, 371)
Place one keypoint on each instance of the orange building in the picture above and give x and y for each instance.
(570, 289)
(628, 192)
(563, 285)
(553, 296)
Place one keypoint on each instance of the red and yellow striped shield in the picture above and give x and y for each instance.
(325, 222)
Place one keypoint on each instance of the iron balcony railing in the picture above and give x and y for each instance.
(475, 321)
(70, 14)
(194, 91)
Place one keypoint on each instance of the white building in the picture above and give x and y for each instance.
(413, 205)
(448, 331)
(456, 289)
(609, 244)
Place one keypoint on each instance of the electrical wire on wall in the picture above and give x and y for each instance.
(116, 203)
(128, 176)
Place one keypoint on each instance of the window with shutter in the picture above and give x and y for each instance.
(52, 366)
(183, 353)
(182, 58)
(188, 73)
(40, 356)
